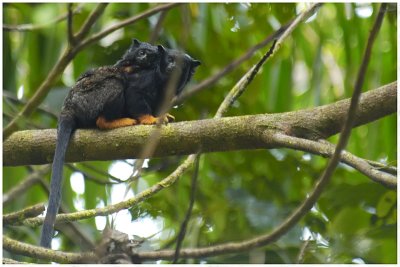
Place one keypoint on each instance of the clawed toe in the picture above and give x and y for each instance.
(169, 117)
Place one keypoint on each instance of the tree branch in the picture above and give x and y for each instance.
(24, 185)
(183, 138)
(110, 209)
(158, 27)
(32, 27)
(18, 216)
(326, 149)
(184, 224)
(70, 31)
(145, 14)
(230, 67)
(93, 17)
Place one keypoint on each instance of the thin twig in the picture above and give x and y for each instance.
(383, 167)
(89, 176)
(157, 29)
(303, 16)
(303, 250)
(11, 261)
(230, 67)
(15, 217)
(104, 211)
(106, 174)
(93, 17)
(185, 222)
(326, 149)
(27, 183)
(145, 14)
(31, 27)
(242, 84)
(70, 229)
(33, 125)
(45, 110)
(71, 37)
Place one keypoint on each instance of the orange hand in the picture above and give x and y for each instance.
(147, 119)
(103, 124)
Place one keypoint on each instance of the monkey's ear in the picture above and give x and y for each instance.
(195, 63)
(161, 49)
(136, 42)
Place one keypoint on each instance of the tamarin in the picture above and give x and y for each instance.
(97, 99)
(146, 88)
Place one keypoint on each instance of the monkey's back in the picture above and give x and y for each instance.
(96, 92)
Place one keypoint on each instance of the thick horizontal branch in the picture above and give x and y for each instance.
(223, 134)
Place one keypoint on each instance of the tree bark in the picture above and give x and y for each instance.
(231, 133)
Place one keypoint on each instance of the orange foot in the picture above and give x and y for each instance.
(149, 119)
(103, 124)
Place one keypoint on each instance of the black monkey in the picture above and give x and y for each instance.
(147, 88)
(97, 99)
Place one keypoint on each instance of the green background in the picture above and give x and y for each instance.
(241, 194)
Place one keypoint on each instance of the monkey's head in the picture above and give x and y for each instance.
(140, 55)
(178, 63)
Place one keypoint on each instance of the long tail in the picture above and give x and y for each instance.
(65, 128)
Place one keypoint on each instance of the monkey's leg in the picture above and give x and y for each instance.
(104, 124)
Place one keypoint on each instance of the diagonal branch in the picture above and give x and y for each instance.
(93, 17)
(32, 27)
(86, 214)
(24, 185)
(70, 33)
(230, 67)
(145, 14)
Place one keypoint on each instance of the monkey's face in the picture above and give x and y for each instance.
(140, 55)
(178, 63)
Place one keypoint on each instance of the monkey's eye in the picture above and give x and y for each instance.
(170, 59)
(141, 53)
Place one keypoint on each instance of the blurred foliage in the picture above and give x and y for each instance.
(241, 194)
